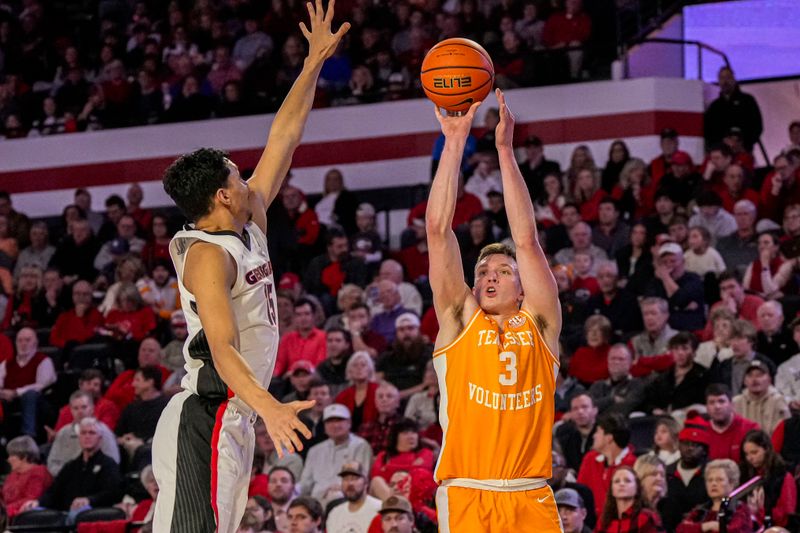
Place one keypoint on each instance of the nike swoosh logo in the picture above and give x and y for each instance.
(541, 500)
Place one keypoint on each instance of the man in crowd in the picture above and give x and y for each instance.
(338, 349)
(781, 188)
(760, 402)
(740, 248)
(610, 233)
(609, 450)
(91, 382)
(787, 378)
(572, 511)
(727, 428)
(732, 108)
(79, 324)
(680, 181)
(355, 514)
(397, 515)
(326, 273)
(39, 252)
(22, 380)
(66, 445)
(683, 290)
(383, 323)
(557, 237)
(731, 371)
(281, 493)
(320, 392)
(357, 321)
(536, 166)
(576, 433)
(733, 298)
(621, 392)
(657, 333)
(682, 385)
(614, 302)
(90, 480)
(305, 515)
(306, 342)
(410, 297)
(291, 461)
(137, 423)
(126, 230)
(387, 403)
(685, 482)
(774, 338)
(325, 460)
(403, 364)
(581, 238)
(669, 145)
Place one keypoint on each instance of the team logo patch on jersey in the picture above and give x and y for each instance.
(517, 321)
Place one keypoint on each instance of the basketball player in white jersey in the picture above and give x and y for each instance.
(203, 447)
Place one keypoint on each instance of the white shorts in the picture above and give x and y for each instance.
(202, 459)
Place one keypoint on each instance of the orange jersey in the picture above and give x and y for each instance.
(497, 401)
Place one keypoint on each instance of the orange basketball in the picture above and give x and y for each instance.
(456, 73)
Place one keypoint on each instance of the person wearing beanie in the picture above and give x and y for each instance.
(685, 481)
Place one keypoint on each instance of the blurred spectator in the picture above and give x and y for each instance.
(410, 297)
(665, 210)
(721, 478)
(734, 188)
(290, 461)
(19, 225)
(572, 511)
(357, 321)
(657, 333)
(326, 273)
(306, 342)
(147, 101)
(338, 205)
(548, 206)
(20, 310)
(357, 511)
(23, 380)
(679, 231)
(90, 381)
(624, 508)
(74, 256)
(137, 423)
(83, 199)
(423, 406)
(160, 289)
(609, 451)
(66, 447)
(397, 515)
(776, 499)
(359, 397)
(685, 483)
(414, 257)
(339, 348)
(365, 243)
(130, 319)
(683, 290)
(581, 238)
(576, 434)
(759, 401)
(734, 299)
(253, 42)
(682, 385)
(665, 440)
(281, 494)
(634, 190)
(39, 252)
(669, 145)
(635, 261)
(300, 380)
(702, 258)
(732, 108)
(224, 69)
(731, 371)
(173, 351)
(536, 167)
(320, 392)
(618, 156)
(260, 509)
(770, 274)
(712, 216)
(610, 233)
(774, 339)
(403, 449)
(613, 302)
(403, 364)
(326, 459)
(570, 28)
(680, 180)
(781, 187)
(121, 391)
(90, 480)
(728, 428)
(620, 392)
(28, 479)
(787, 378)
(590, 363)
(390, 299)
(588, 194)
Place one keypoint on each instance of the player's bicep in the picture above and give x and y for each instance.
(539, 288)
(446, 275)
(209, 274)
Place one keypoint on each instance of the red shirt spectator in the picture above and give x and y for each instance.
(305, 220)
(747, 311)
(415, 261)
(7, 347)
(786, 504)
(121, 393)
(729, 199)
(567, 28)
(596, 473)
(385, 468)
(430, 324)
(21, 486)
(589, 208)
(369, 412)
(726, 444)
(296, 346)
(780, 188)
(70, 327)
(590, 364)
(134, 324)
(105, 411)
(643, 521)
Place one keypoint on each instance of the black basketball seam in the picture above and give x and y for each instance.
(482, 52)
(473, 89)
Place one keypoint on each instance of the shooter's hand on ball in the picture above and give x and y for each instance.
(457, 127)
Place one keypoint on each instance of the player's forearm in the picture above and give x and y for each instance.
(239, 378)
(444, 191)
(291, 118)
(519, 207)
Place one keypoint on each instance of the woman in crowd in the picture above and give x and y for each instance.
(349, 295)
(157, 246)
(359, 397)
(590, 363)
(665, 440)
(777, 498)
(581, 159)
(770, 274)
(28, 479)
(404, 451)
(130, 269)
(587, 194)
(652, 475)
(625, 510)
(21, 309)
(634, 192)
(549, 203)
(718, 347)
(143, 512)
(618, 157)
(635, 261)
(722, 476)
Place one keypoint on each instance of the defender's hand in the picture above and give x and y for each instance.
(321, 42)
(504, 132)
(283, 425)
(457, 126)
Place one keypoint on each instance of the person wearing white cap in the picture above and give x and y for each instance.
(683, 290)
(403, 364)
(320, 478)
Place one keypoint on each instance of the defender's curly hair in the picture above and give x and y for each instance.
(193, 180)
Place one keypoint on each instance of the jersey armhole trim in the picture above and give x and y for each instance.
(441, 351)
(541, 337)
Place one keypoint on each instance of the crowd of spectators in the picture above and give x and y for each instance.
(680, 377)
(145, 62)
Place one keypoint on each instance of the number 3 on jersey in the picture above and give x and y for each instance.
(272, 315)
(510, 377)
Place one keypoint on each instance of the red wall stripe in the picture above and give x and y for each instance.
(570, 130)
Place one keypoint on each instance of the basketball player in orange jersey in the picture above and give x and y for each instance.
(495, 356)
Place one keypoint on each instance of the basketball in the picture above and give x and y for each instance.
(456, 73)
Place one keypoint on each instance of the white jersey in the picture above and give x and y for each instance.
(254, 306)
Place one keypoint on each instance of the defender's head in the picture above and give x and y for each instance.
(497, 284)
(206, 180)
